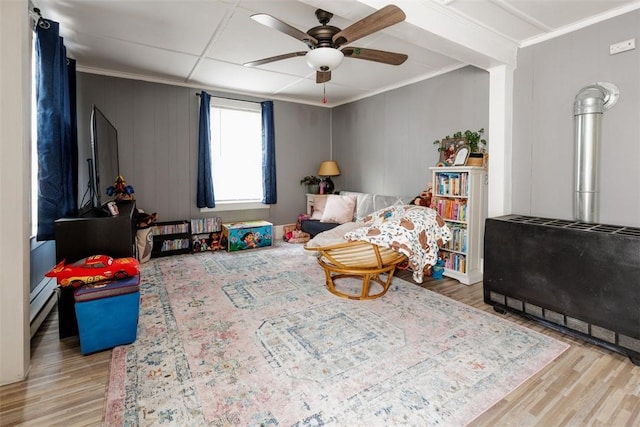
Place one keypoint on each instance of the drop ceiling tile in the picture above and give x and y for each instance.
(173, 25)
(499, 19)
(222, 75)
(560, 13)
(373, 76)
(115, 55)
(246, 40)
(311, 91)
(295, 13)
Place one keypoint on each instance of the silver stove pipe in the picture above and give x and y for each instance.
(589, 104)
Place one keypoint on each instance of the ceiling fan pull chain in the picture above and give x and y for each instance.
(324, 93)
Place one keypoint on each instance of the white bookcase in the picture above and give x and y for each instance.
(459, 196)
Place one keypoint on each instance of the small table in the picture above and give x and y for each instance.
(310, 200)
(238, 236)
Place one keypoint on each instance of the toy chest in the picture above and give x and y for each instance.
(107, 313)
(238, 236)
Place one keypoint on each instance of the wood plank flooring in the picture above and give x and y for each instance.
(585, 386)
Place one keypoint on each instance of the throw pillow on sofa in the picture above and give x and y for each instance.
(318, 207)
(338, 209)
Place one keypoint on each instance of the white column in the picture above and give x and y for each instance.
(15, 104)
(500, 139)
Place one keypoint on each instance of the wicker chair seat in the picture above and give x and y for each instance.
(358, 259)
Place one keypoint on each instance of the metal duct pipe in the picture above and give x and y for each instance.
(588, 107)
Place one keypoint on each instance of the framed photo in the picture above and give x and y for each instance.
(462, 153)
(448, 148)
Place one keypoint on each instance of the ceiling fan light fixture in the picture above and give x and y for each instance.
(324, 58)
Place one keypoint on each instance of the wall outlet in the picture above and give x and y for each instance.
(622, 46)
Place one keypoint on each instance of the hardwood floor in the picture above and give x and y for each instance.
(586, 385)
(62, 388)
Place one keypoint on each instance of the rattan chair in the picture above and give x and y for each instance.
(358, 259)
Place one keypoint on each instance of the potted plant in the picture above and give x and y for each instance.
(475, 141)
(312, 183)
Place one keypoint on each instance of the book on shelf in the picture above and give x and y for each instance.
(206, 225)
(452, 184)
(456, 262)
(452, 209)
(161, 229)
(458, 240)
(175, 244)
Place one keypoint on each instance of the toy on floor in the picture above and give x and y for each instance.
(293, 234)
(212, 243)
(438, 269)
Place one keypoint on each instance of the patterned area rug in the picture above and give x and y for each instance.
(254, 339)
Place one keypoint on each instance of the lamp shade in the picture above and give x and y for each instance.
(329, 168)
(324, 58)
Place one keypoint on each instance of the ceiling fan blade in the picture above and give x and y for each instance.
(383, 18)
(283, 27)
(382, 56)
(273, 59)
(323, 76)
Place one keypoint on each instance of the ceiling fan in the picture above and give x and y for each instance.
(324, 41)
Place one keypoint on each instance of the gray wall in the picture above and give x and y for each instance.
(158, 142)
(384, 144)
(548, 77)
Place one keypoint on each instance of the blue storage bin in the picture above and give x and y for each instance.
(238, 236)
(107, 313)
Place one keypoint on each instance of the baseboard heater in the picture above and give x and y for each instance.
(578, 278)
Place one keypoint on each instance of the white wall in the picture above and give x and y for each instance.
(15, 72)
(546, 81)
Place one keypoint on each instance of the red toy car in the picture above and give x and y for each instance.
(94, 269)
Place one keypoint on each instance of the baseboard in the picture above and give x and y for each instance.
(43, 298)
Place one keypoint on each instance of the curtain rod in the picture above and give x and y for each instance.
(37, 18)
(228, 97)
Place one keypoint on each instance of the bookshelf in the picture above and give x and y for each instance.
(459, 197)
(205, 234)
(171, 238)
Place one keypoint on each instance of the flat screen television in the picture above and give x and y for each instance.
(104, 149)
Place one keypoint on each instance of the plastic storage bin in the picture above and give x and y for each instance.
(238, 236)
(107, 313)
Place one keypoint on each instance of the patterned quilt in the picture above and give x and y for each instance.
(415, 231)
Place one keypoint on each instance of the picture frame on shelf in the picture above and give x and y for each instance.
(448, 149)
(461, 155)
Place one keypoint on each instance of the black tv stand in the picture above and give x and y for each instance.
(95, 232)
(96, 212)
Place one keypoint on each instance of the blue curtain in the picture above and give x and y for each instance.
(205, 197)
(268, 155)
(57, 144)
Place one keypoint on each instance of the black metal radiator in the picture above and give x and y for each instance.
(582, 279)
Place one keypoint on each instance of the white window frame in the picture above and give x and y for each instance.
(33, 153)
(217, 102)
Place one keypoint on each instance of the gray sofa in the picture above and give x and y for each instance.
(365, 204)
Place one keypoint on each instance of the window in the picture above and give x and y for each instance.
(236, 151)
